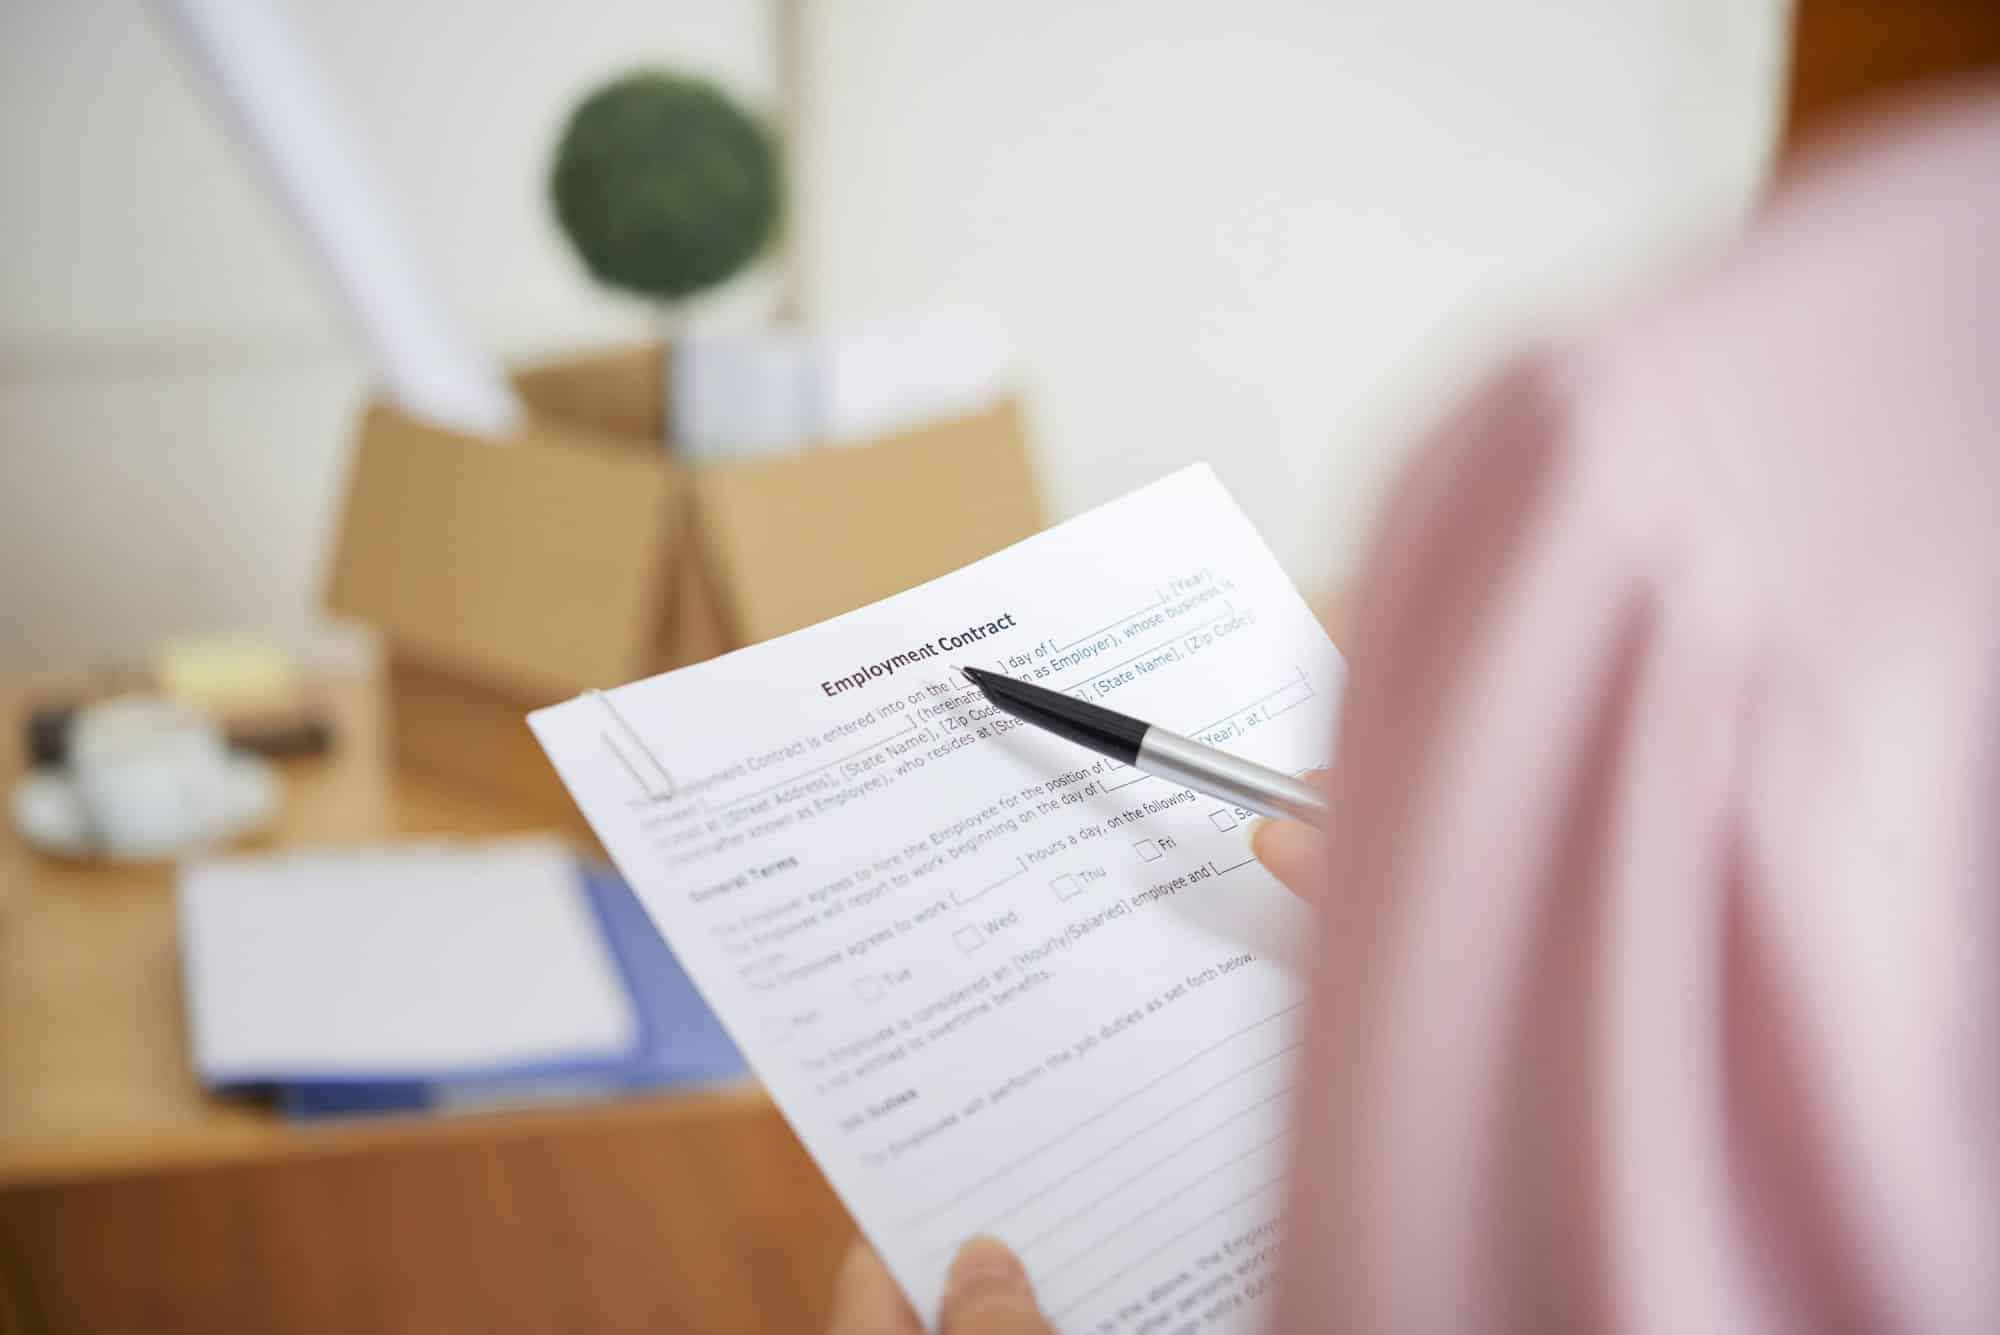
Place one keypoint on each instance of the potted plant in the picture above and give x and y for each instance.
(667, 188)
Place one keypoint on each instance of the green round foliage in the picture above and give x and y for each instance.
(664, 185)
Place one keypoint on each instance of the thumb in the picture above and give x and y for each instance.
(987, 1293)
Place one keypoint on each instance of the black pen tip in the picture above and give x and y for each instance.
(1102, 730)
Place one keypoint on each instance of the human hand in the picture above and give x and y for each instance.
(1291, 850)
(987, 1293)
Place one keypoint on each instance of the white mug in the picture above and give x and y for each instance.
(145, 779)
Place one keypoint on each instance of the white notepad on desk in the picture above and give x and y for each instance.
(996, 983)
(418, 962)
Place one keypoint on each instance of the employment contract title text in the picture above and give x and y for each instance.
(942, 644)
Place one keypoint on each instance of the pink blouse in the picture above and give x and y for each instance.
(1659, 980)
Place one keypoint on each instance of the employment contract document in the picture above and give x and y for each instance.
(996, 983)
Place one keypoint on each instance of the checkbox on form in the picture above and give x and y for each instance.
(870, 988)
(1066, 887)
(969, 939)
(1147, 850)
(1224, 820)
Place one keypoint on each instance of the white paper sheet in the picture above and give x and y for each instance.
(277, 100)
(998, 984)
(417, 961)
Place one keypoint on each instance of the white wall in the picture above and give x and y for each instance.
(1273, 233)
(1268, 233)
(175, 395)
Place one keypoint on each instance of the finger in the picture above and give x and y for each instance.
(1292, 851)
(987, 1293)
(866, 1299)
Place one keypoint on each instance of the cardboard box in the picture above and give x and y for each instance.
(504, 576)
(792, 539)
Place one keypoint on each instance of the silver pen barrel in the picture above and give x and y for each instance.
(1266, 791)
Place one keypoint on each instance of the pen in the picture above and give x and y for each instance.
(1166, 755)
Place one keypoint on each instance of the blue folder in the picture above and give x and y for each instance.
(680, 1043)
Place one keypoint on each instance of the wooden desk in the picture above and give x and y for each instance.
(132, 1200)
